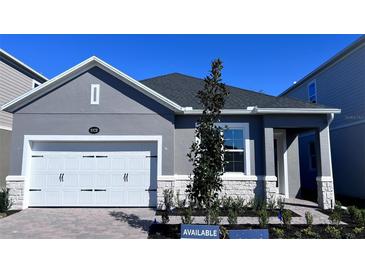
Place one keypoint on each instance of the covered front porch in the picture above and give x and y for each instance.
(282, 157)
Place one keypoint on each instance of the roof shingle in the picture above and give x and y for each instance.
(182, 89)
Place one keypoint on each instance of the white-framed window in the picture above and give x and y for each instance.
(236, 147)
(312, 92)
(312, 156)
(95, 94)
(35, 83)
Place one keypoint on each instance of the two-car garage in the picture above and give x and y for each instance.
(88, 174)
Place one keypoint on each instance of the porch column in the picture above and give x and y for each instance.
(269, 180)
(325, 189)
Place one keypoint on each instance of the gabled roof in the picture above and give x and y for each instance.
(77, 70)
(10, 58)
(177, 92)
(343, 53)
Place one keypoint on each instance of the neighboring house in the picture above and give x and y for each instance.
(339, 82)
(93, 136)
(16, 78)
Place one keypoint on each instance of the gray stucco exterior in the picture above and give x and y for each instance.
(125, 111)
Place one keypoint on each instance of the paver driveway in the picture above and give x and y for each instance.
(80, 223)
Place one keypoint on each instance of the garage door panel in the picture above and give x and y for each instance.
(87, 163)
(102, 180)
(86, 180)
(101, 196)
(103, 162)
(36, 197)
(86, 197)
(52, 197)
(39, 163)
(70, 180)
(53, 180)
(72, 163)
(55, 164)
(93, 179)
(38, 180)
(70, 197)
(116, 180)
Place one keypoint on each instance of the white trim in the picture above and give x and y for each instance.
(298, 110)
(27, 149)
(83, 66)
(324, 179)
(228, 176)
(6, 128)
(94, 61)
(15, 178)
(269, 111)
(246, 136)
(22, 64)
(35, 82)
(314, 81)
(94, 94)
(269, 178)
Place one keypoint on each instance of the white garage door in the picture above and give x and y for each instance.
(92, 179)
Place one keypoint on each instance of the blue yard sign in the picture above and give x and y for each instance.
(249, 234)
(199, 231)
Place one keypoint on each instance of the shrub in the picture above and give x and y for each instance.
(212, 216)
(278, 232)
(263, 218)
(165, 217)
(232, 216)
(333, 232)
(271, 204)
(258, 204)
(180, 203)
(187, 218)
(239, 205)
(280, 204)
(358, 230)
(5, 201)
(287, 217)
(335, 217)
(309, 218)
(168, 202)
(357, 215)
(308, 233)
(168, 199)
(226, 202)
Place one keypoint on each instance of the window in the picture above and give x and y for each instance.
(95, 94)
(35, 83)
(312, 92)
(234, 149)
(312, 156)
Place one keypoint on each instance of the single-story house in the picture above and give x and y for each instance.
(93, 136)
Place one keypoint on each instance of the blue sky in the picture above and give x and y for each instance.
(269, 63)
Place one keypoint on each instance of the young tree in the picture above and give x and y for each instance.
(206, 153)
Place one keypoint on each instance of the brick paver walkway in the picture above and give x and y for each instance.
(80, 223)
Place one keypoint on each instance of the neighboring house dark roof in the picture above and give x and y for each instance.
(358, 43)
(182, 89)
(20, 66)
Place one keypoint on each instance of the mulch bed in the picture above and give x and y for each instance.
(8, 213)
(172, 231)
(202, 212)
